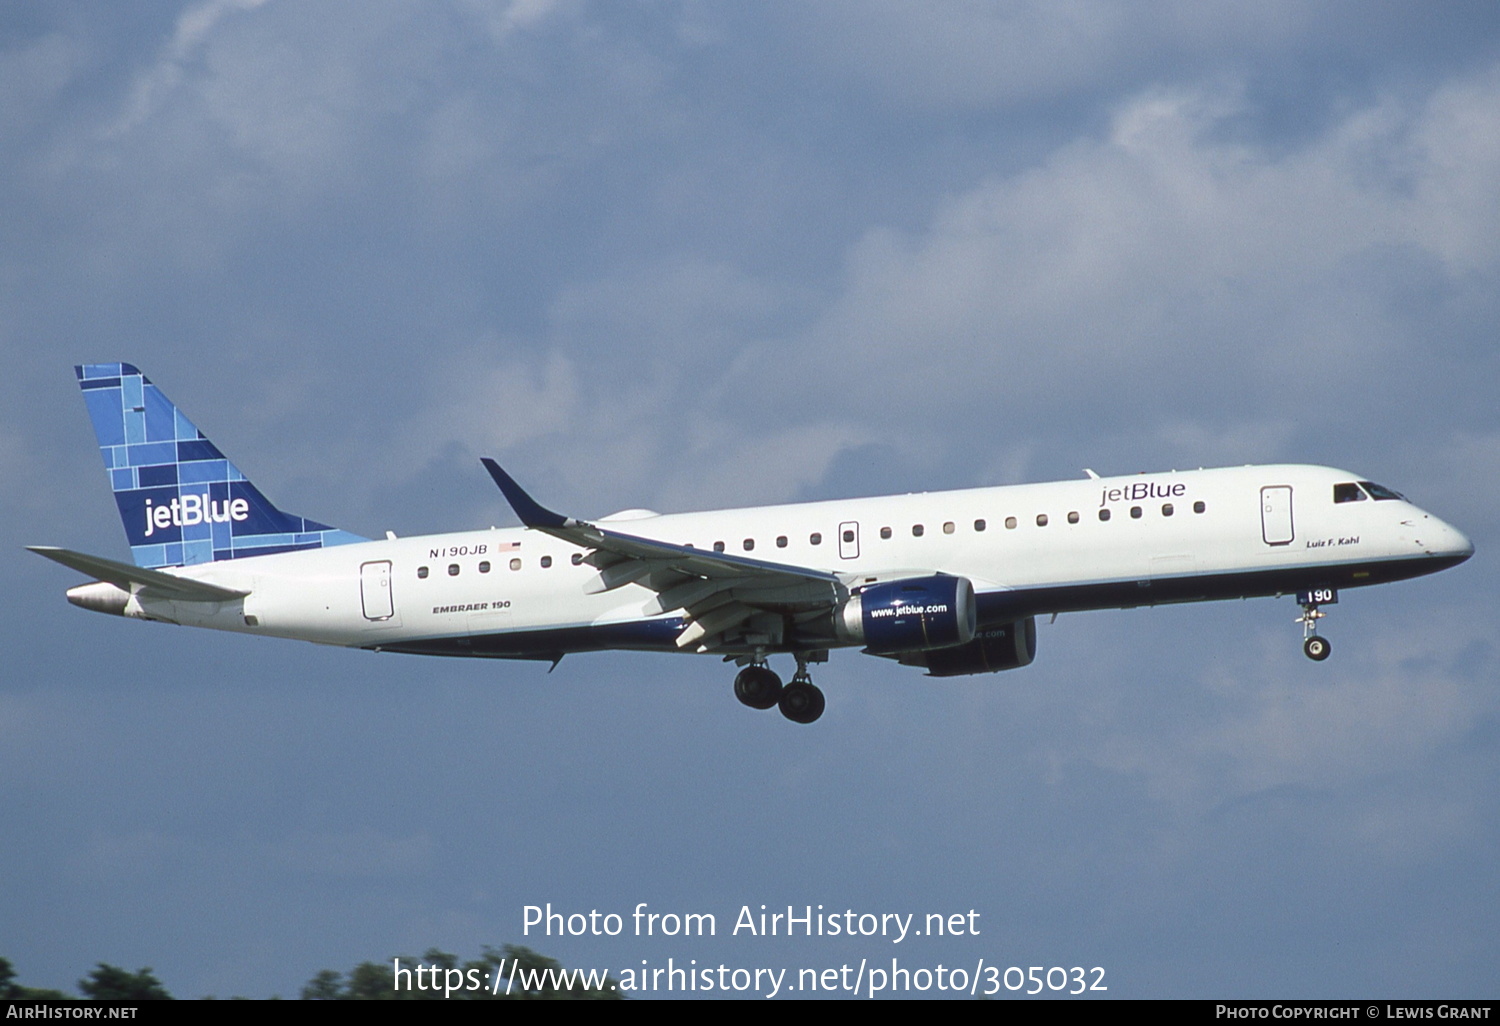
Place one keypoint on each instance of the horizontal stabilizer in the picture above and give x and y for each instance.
(136, 578)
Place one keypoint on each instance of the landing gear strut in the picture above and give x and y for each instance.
(1317, 648)
(758, 687)
(801, 701)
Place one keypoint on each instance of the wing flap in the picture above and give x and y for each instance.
(627, 571)
(715, 621)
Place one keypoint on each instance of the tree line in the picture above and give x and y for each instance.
(540, 978)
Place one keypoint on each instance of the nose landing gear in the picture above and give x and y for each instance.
(1317, 648)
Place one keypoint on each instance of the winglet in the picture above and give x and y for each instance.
(531, 512)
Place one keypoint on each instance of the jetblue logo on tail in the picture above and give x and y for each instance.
(194, 509)
(181, 500)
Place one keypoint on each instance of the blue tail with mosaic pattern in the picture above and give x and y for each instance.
(181, 500)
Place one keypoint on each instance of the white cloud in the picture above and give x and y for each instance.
(969, 53)
(625, 394)
(153, 86)
(502, 18)
(1205, 293)
(1455, 211)
(495, 397)
(1373, 721)
(1169, 270)
(264, 108)
(717, 466)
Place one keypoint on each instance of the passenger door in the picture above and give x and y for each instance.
(375, 590)
(1276, 514)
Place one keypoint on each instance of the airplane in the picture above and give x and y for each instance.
(951, 582)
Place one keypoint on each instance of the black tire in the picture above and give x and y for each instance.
(1317, 648)
(802, 702)
(758, 687)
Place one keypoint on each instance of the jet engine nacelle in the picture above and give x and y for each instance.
(1005, 647)
(915, 614)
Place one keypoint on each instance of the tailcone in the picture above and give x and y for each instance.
(101, 597)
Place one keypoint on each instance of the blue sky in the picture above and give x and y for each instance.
(683, 255)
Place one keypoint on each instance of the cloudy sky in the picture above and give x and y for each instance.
(685, 254)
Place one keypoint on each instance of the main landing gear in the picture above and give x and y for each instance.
(800, 701)
(1317, 648)
(758, 686)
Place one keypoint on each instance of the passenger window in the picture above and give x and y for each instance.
(749, 544)
(1198, 506)
(452, 569)
(948, 527)
(1166, 509)
(515, 564)
(1073, 517)
(1347, 492)
(1010, 523)
(1135, 512)
(577, 558)
(885, 532)
(979, 525)
(484, 567)
(815, 538)
(1041, 520)
(848, 536)
(718, 546)
(546, 562)
(916, 530)
(781, 541)
(421, 573)
(1104, 514)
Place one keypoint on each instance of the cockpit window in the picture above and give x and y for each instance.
(1347, 492)
(1380, 491)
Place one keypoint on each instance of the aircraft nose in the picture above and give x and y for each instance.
(1461, 543)
(1448, 541)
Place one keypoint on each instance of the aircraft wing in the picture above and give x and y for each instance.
(138, 578)
(719, 591)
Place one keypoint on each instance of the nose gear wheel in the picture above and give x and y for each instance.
(1316, 648)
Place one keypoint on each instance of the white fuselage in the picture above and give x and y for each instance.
(1027, 549)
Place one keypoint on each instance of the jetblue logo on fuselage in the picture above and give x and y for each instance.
(1142, 490)
(194, 509)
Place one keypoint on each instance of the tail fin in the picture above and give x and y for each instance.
(181, 501)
